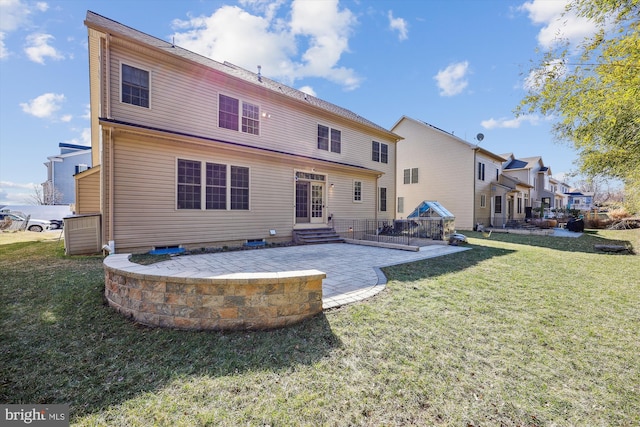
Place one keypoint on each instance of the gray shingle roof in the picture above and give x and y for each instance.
(107, 25)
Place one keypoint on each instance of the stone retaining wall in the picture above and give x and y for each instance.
(188, 300)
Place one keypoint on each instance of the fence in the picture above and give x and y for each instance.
(399, 231)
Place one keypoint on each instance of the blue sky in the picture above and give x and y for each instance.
(460, 65)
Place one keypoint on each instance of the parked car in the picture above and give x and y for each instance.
(56, 224)
(33, 224)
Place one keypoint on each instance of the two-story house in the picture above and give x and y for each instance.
(189, 152)
(59, 188)
(581, 201)
(436, 165)
(532, 171)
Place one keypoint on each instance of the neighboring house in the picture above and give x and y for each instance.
(436, 165)
(581, 201)
(532, 171)
(59, 187)
(559, 190)
(191, 152)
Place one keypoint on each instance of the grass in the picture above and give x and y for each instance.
(519, 331)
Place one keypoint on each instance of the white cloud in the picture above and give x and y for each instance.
(13, 14)
(66, 118)
(308, 90)
(536, 78)
(38, 48)
(453, 79)
(4, 53)
(42, 6)
(13, 193)
(557, 23)
(262, 38)
(83, 139)
(44, 106)
(512, 123)
(399, 25)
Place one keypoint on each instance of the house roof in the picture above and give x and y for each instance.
(451, 135)
(101, 23)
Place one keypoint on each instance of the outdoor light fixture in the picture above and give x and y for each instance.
(272, 232)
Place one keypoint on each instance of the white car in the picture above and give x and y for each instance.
(32, 225)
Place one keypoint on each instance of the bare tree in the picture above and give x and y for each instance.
(47, 194)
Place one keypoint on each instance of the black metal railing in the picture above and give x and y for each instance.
(399, 231)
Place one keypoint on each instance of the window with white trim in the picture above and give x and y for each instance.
(379, 152)
(357, 191)
(483, 200)
(231, 117)
(481, 167)
(498, 204)
(189, 189)
(400, 204)
(410, 176)
(226, 187)
(329, 139)
(135, 86)
(383, 199)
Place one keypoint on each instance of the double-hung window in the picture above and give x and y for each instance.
(383, 199)
(481, 168)
(329, 139)
(135, 86)
(239, 188)
(379, 152)
(216, 186)
(231, 116)
(226, 187)
(410, 176)
(189, 189)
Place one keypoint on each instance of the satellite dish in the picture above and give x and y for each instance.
(479, 137)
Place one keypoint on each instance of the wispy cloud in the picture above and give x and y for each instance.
(38, 48)
(14, 15)
(557, 24)
(512, 122)
(83, 139)
(261, 36)
(44, 106)
(399, 25)
(453, 79)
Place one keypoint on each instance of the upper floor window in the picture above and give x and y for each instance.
(229, 116)
(481, 167)
(411, 176)
(135, 86)
(250, 118)
(379, 152)
(329, 138)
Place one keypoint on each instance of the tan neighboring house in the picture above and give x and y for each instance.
(191, 152)
(532, 171)
(438, 166)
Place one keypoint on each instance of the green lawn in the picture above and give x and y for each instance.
(518, 331)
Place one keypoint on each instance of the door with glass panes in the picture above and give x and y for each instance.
(309, 202)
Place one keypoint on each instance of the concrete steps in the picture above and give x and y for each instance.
(316, 236)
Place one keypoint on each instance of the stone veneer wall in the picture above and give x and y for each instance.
(229, 302)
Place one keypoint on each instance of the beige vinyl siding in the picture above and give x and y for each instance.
(185, 99)
(145, 213)
(88, 192)
(95, 67)
(446, 171)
